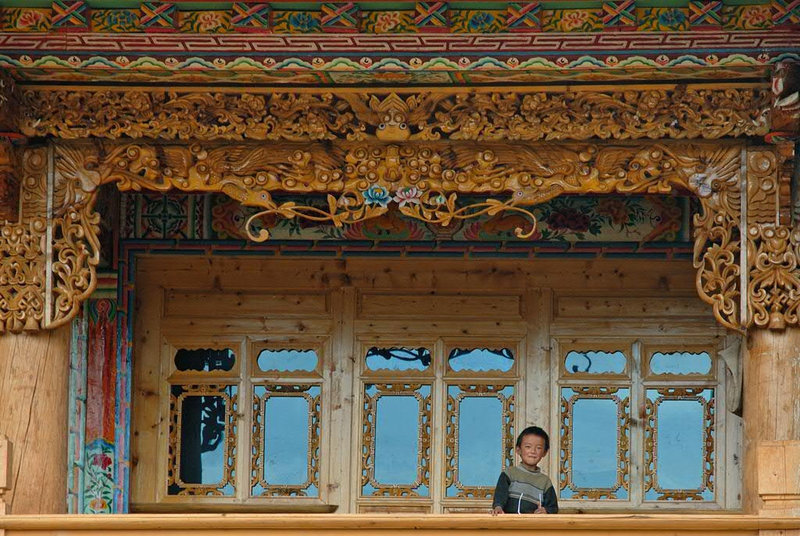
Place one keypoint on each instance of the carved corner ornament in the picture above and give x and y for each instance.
(49, 254)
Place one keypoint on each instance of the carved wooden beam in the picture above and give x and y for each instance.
(658, 111)
(417, 152)
(361, 180)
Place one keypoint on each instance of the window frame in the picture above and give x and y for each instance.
(640, 349)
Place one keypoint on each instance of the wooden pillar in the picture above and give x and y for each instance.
(772, 422)
(34, 379)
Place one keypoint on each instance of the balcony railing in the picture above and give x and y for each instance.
(397, 525)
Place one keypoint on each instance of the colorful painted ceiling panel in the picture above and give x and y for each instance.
(580, 227)
(344, 43)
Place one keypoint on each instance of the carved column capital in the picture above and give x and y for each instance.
(773, 245)
(49, 252)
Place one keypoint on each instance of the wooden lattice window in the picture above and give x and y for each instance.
(284, 391)
(606, 454)
(208, 449)
(405, 389)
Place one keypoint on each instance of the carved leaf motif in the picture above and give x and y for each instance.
(479, 116)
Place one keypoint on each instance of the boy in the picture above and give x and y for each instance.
(523, 488)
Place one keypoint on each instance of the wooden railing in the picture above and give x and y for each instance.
(385, 525)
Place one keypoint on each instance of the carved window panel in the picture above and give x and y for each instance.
(595, 443)
(679, 444)
(609, 359)
(204, 360)
(690, 362)
(291, 360)
(286, 440)
(202, 440)
(195, 360)
(479, 441)
(288, 356)
(480, 360)
(396, 440)
(406, 359)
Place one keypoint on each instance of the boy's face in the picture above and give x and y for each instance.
(531, 450)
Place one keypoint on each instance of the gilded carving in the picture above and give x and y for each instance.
(773, 247)
(48, 264)
(620, 396)
(680, 113)
(774, 285)
(373, 392)
(310, 393)
(717, 235)
(215, 404)
(422, 179)
(22, 273)
(456, 395)
(75, 254)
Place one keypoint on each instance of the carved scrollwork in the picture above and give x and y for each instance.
(22, 276)
(682, 113)
(424, 179)
(774, 286)
(717, 235)
(48, 265)
(773, 248)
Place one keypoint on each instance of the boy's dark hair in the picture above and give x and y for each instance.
(535, 430)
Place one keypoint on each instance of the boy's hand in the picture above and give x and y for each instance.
(497, 510)
(540, 510)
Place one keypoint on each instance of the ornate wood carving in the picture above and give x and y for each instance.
(773, 246)
(362, 178)
(417, 151)
(48, 263)
(681, 113)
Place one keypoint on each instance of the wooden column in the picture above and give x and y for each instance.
(34, 378)
(772, 422)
